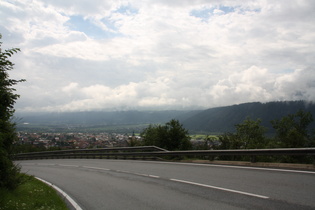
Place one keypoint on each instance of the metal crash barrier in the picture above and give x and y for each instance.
(153, 152)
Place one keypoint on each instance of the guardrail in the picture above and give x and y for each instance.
(81, 153)
(153, 152)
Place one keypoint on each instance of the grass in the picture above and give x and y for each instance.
(31, 195)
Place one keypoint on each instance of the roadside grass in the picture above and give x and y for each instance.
(32, 194)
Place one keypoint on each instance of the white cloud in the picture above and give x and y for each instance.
(70, 88)
(161, 53)
(297, 85)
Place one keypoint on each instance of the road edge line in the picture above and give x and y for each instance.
(220, 188)
(63, 193)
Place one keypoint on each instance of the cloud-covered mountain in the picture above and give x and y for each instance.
(101, 117)
(214, 120)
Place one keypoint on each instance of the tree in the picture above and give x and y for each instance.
(229, 141)
(312, 139)
(291, 130)
(171, 136)
(9, 173)
(249, 135)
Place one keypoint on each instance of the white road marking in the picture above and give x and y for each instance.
(220, 188)
(215, 165)
(121, 171)
(89, 167)
(153, 176)
(264, 169)
(68, 165)
(239, 167)
(71, 201)
(139, 174)
(188, 182)
(146, 175)
(44, 164)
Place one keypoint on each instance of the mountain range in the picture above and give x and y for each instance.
(213, 120)
(224, 119)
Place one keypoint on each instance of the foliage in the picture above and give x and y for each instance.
(171, 136)
(223, 119)
(312, 139)
(210, 142)
(291, 130)
(32, 194)
(25, 148)
(249, 135)
(9, 173)
(229, 141)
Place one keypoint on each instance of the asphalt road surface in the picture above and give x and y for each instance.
(126, 184)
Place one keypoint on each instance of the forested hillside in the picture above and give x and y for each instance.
(224, 119)
(214, 120)
(102, 117)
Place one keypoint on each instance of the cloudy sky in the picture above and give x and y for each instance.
(80, 55)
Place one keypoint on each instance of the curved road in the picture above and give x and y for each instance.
(125, 184)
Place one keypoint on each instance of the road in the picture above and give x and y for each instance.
(126, 184)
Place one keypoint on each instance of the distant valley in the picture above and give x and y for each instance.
(214, 120)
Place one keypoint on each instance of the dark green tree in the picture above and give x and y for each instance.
(249, 135)
(171, 136)
(229, 141)
(9, 172)
(292, 130)
(312, 139)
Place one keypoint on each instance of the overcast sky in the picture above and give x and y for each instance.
(81, 55)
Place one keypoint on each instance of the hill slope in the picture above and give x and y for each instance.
(224, 119)
(102, 117)
(214, 120)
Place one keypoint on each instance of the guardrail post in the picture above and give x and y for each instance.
(253, 159)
